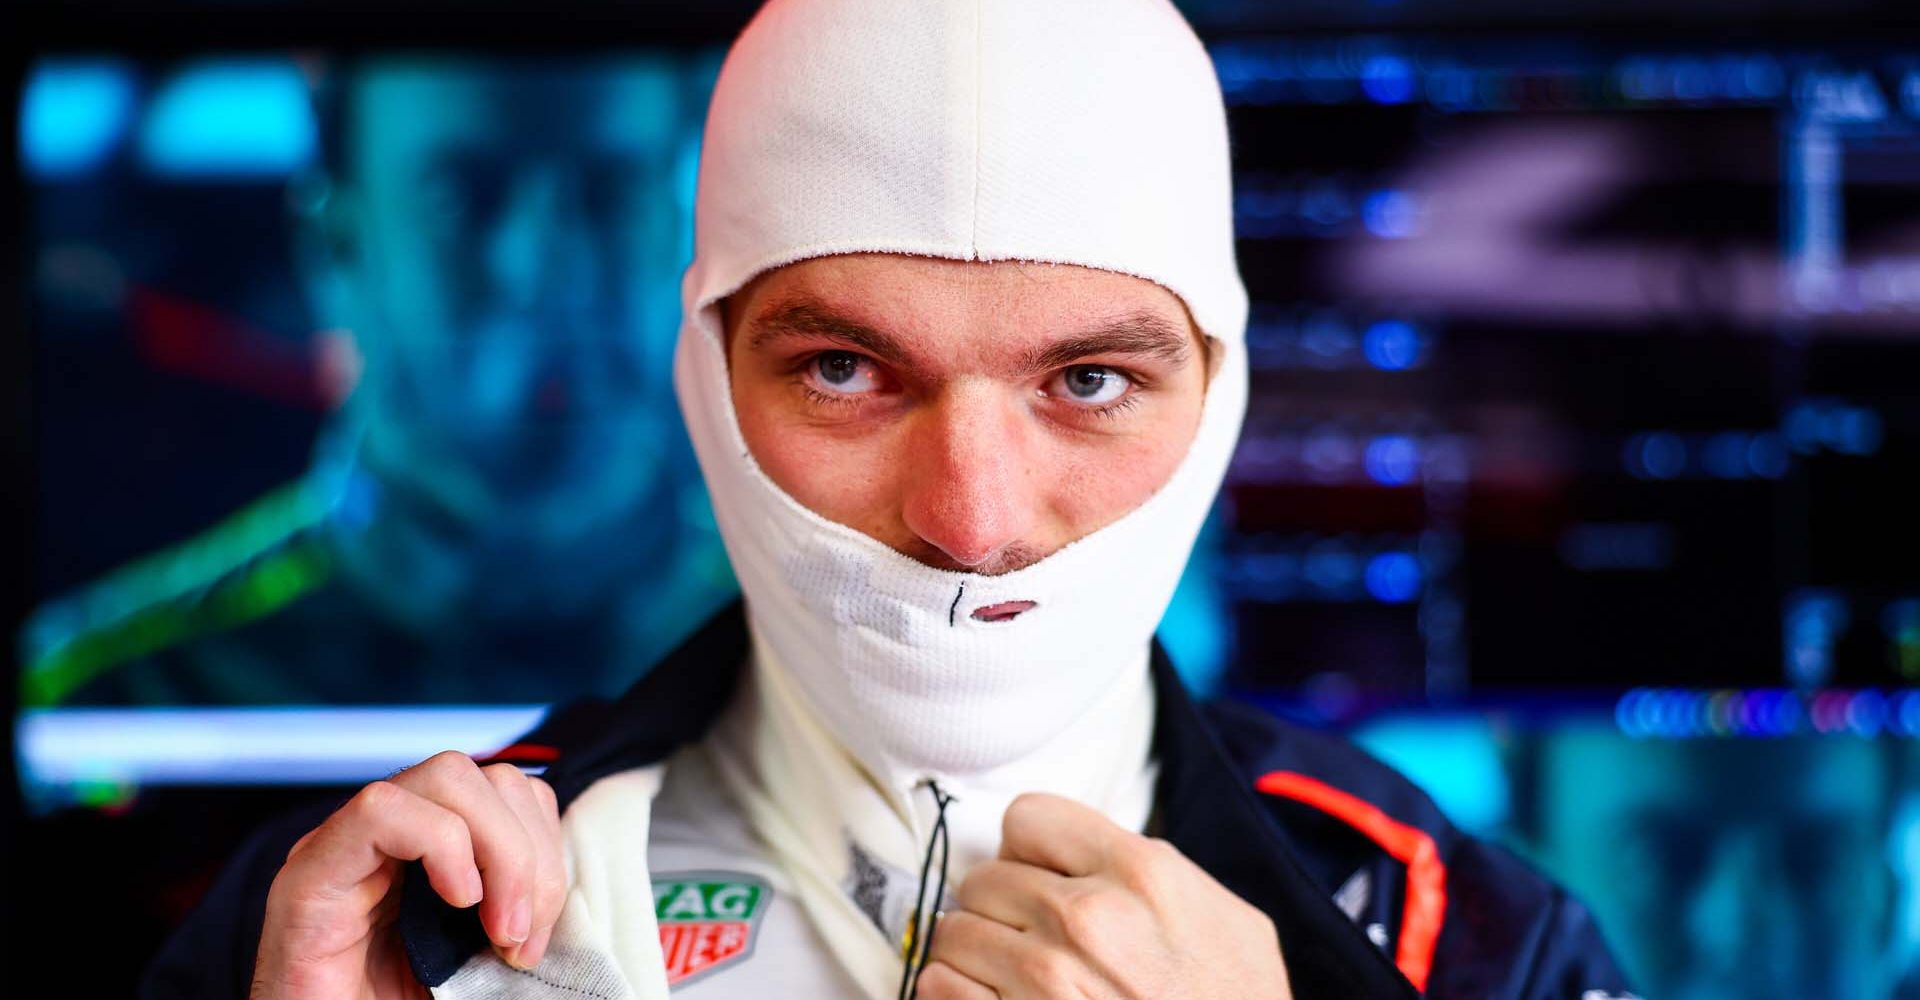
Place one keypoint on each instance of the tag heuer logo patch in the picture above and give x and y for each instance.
(707, 920)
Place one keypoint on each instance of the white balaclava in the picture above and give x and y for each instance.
(1086, 132)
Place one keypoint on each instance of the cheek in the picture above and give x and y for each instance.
(840, 477)
(1098, 479)
(1101, 481)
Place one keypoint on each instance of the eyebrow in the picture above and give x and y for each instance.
(1138, 333)
(807, 318)
(1141, 334)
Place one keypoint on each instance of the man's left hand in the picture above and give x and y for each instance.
(1077, 908)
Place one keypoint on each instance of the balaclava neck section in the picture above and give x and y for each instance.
(853, 842)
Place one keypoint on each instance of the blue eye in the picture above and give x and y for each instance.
(1090, 384)
(844, 372)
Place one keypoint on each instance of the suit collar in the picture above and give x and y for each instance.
(1209, 811)
(1207, 808)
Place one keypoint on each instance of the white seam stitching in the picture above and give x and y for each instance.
(973, 239)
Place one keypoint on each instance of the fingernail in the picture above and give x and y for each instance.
(521, 921)
(528, 955)
(475, 888)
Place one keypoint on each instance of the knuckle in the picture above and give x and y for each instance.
(1139, 852)
(448, 759)
(1024, 807)
(284, 891)
(297, 906)
(515, 868)
(555, 848)
(1163, 850)
(375, 798)
(1088, 916)
(1023, 817)
(517, 864)
(959, 933)
(1049, 972)
(446, 767)
(976, 885)
(1147, 864)
(1265, 933)
(545, 794)
(1172, 868)
(299, 846)
(503, 775)
(552, 886)
(939, 981)
(451, 835)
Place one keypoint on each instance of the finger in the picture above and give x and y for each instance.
(529, 955)
(550, 876)
(1059, 834)
(302, 842)
(549, 802)
(1015, 893)
(550, 814)
(1007, 961)
(502, 847)
(940, 981)
(536, 946)
(381, 823)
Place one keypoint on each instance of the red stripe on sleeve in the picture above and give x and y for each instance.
(524, 751)
(1426, 904)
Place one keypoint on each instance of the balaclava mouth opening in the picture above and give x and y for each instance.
(1086, 132)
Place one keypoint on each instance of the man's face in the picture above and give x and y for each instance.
(517, 246)
(1727, 869)
(974, 416)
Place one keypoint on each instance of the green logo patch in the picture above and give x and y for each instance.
(707, 920)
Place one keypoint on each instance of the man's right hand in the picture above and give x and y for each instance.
(485, 835)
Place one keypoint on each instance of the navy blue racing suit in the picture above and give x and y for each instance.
(1372, 891)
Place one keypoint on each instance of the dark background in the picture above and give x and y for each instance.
(1558, 573)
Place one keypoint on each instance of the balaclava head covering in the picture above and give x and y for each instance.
(1086, 132)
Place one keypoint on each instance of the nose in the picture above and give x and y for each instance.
(967, 474)
(541, 254)
(549, 352)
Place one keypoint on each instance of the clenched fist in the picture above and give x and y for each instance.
(1077, 908)
(488, 835)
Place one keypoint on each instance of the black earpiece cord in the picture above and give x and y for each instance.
(926, 918)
